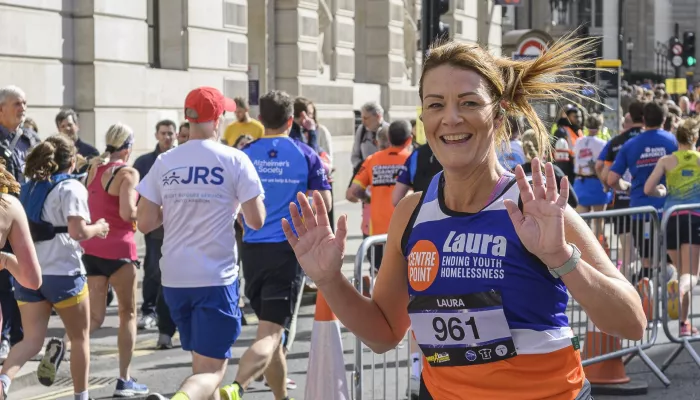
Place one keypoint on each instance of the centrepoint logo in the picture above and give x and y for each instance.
(193, 175)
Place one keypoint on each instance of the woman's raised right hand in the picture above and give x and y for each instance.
(319, 252)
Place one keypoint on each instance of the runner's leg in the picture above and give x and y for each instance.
(124, 283)
(35, 319)
(97, 287)
(75, 314)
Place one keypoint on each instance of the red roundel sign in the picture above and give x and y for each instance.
(531, 47)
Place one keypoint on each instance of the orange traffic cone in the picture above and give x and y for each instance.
(609, 376)
(325, 378)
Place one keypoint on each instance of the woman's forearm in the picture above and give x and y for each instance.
(612, 304)
(8, 261)
(359, 314)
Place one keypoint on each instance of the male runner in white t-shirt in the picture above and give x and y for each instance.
(195, 191)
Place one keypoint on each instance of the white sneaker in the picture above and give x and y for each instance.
(147, 322)
(165, 342)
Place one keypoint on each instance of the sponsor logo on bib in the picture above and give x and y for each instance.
(423, 265)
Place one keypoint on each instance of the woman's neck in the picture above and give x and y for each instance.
(116, 159)
(469, 191)
(685, 147)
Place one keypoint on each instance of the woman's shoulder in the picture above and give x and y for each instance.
(13, 208)
(127, 172)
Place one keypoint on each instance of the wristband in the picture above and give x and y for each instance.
(569, 265)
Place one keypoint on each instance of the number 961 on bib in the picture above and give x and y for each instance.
(461, 330)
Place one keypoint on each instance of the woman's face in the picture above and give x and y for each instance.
(458, 116)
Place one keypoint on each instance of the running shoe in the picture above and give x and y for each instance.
(674, 297)
(645, 290)
(130, 388)
(148, 321)
(165, 342)
(48, 366)
(231, 392)
(687, 329)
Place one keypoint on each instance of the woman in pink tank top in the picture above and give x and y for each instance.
(113, 260)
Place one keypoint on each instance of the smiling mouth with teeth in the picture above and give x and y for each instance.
(456, 139)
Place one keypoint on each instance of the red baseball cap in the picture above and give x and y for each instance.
(206, 104)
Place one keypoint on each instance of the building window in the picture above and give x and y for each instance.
(167, 34)
(153, 21)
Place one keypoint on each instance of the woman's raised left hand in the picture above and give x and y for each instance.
(540, 224)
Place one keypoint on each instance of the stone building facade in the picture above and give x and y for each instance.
(134, 61)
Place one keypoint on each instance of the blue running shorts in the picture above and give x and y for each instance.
(589, 191)
(61, 291)
(208, 318)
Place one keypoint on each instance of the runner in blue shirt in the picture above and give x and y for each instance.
(639, 155)
(273, 277)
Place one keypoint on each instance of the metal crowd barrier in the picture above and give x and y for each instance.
(396, 360)
(621, 233)
(631, 239)
(680, 224)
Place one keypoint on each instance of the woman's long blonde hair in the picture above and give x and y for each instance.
(687, 133)
(8, 183)
(519, 83)
(116, 136)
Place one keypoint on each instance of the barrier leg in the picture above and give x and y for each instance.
(608, 377)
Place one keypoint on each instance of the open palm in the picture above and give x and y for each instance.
(540, 224)
(319, 252)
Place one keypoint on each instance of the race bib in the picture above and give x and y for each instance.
(461, 330)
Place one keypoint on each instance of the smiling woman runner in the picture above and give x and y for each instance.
(481, 275)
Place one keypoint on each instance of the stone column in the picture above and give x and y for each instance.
(343, 39)
(258, 52)
(384, 41)
(296, 43)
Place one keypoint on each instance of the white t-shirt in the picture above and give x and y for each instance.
(201, 185)
(586, 152)
(63, 255)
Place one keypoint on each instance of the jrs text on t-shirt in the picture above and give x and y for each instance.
(201, 185)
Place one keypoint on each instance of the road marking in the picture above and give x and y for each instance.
(61, 393)
(143, 348)
(136, 353)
